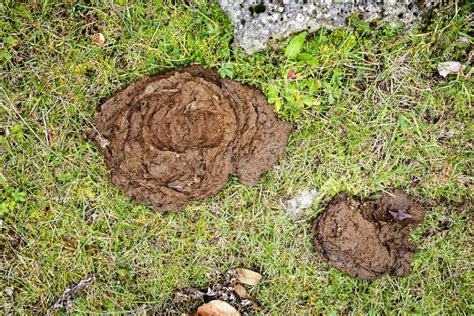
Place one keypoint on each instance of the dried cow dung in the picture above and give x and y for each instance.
(367, 239)
(176, 137)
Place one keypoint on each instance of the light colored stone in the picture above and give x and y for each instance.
(254, 30)
(296, 206)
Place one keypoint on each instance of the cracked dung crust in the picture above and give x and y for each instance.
(176, 137)
(364, 239)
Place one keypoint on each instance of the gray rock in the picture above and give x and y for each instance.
(258, 21)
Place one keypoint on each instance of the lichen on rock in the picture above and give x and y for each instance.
(258, 21)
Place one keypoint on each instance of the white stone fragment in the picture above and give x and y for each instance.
(295, 207)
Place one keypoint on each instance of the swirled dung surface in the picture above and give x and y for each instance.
(176, 137)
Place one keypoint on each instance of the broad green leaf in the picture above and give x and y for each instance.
(296, 45)
(19, 196)
(225, 72)
(313, 85)
(308, 100)
(3, 209)
(330, 187)
(5, 55)
(272, 94)
(11, 41)
(308, 59)
(404, 122)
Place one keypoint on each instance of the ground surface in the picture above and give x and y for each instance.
(369, 113)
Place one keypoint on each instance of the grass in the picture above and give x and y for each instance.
(369, 111)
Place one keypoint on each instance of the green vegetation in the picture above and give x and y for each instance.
(370, 113)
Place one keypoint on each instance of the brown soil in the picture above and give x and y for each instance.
(367, 239)
(176, 137)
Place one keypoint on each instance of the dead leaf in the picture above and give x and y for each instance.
(256, 307)
(400, 215)
(248, 277)
(241, 291)
(446, 173)
(99, 39)
(217, 308)
(450, 68)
